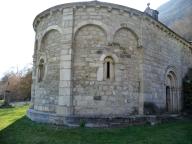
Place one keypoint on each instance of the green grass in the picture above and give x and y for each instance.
(10, 115)
(17, 129)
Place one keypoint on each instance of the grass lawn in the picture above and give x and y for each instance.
(15, 128)
(9, 115)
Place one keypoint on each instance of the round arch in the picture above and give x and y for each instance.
(42, 60)
(98, 24)
(171, 90)
(103, 56)
(45, 32)
(115, 32)
(129, 29)
(171, 70)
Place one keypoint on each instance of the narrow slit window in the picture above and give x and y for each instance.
(108, 70)
(41, 70)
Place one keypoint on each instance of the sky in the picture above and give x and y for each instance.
(17, 35)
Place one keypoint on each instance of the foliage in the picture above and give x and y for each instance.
(82, 124)
(1, 101)
(187, 92)
(151, 109)
(18, 85)
(21, 130)
(25, 85)
(5, 105)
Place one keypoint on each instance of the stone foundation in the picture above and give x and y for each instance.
(98, 121)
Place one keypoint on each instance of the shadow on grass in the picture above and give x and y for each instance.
(7, 131)
(24, 131)
(10, 115)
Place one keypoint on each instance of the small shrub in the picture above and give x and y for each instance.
(150, 108)
(82, 124)
(187, 92)
(1, 102)
(135, 111)
(5, 105)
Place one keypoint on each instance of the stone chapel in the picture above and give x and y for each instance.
(99, 60)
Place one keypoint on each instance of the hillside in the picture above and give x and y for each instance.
(177, 14)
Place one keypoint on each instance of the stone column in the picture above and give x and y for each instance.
(141, 90)
(64, 107)
(141, 69)
(33, 81)
(172, 99)
(34, 75)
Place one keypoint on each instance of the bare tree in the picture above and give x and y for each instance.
(17, 86)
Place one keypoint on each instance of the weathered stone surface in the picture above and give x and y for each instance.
(101, 59)
(99, 121)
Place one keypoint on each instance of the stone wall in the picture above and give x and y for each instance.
(47, 90)
(98, 35)
(77, 40)
(163, 52)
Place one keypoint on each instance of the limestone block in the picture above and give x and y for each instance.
(65, 84)
(70, 14)
(67, 37)
(66, 10)
(65, 46)
(53, 59)
(66, 58)
(67, 23)
(65, 52)
(64, 91)
(65, 74)
(64, 100)
(67, 31)
(62, 110)
(65, 64)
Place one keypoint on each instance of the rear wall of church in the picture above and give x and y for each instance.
(102, 35)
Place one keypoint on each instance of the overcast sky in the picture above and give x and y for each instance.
(17, 34)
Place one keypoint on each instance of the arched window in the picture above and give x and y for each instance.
(41, 70)
(109, 68)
